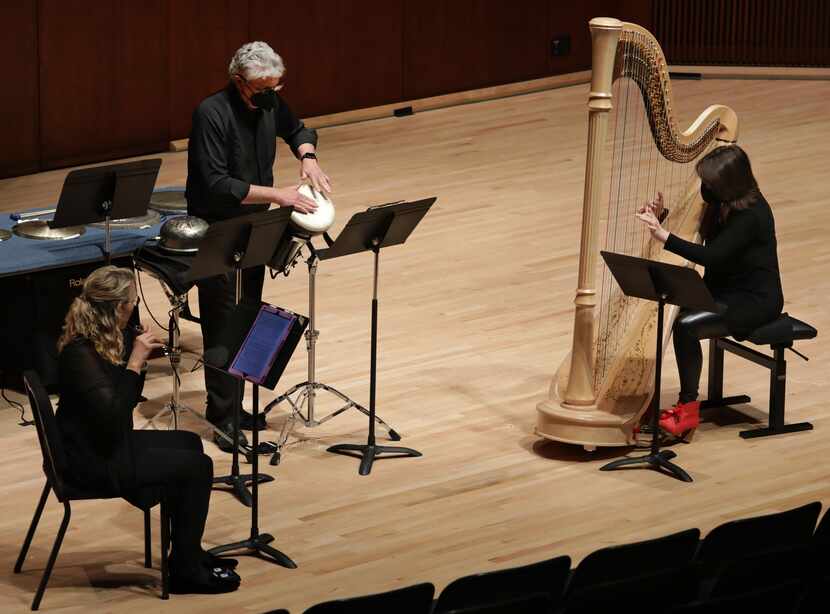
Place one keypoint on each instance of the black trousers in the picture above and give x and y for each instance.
(175, 460)
(217, 297)
(689, 328)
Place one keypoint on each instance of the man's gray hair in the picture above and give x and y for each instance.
(256, 60)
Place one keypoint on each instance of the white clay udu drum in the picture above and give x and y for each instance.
(303, 227)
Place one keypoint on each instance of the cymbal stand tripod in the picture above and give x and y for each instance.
(305, 393)
(174, 353)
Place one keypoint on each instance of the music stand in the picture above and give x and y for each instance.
(260, 339)
(374, 229)
(666, 284)
(234, 245)
(105, 193)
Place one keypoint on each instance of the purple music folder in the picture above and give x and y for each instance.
(262, 345)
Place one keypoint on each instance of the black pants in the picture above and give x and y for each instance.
(216, 302)
(689, 328)
(175, 460)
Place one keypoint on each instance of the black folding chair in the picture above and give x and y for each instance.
(546, 577)
(530, 604)
(651, 593)
(780, 599)
(629, 560)
(793, 563)
(822, 534)
(739, 538)
(416, 599)
(55, 466)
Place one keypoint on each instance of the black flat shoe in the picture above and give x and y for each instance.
(216, 580)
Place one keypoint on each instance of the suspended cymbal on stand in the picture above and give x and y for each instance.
(168, 200)
(41, 231)
(142, 221)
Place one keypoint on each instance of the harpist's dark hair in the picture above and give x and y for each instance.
(726, 174)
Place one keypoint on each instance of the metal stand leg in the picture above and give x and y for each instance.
(257, 542)
(370, 451)
(174, 405)
(306, 392)
(238, 481)
(659, 460)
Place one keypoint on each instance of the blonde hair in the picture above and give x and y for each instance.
(93, 314)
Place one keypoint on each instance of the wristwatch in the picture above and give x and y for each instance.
(308, 154)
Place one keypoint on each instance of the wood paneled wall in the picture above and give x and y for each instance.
(744, 32)
(103, 79)
(95, 81)
(20, 152)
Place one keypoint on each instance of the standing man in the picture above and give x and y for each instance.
(230, 172)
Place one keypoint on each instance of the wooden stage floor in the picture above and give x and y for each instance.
(475, 316)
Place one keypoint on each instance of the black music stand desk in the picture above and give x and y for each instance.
(666, 284)
(233, 245)
(105, 193)
(374, 229)
(260, 340)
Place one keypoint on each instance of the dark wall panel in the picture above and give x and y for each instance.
(467, 44)
(103, 79)
(19, 102)
(744, 32)
(339, 54)
(204, 34)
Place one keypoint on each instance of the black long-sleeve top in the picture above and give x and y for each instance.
(95, 416)
(232, 147)
(741, 263)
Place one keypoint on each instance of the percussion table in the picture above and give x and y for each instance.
(38, 281)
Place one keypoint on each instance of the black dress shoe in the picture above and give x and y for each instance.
(226, 445)
(246, 421)
(211, 560)
(213, 581)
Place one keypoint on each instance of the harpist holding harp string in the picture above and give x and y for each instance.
(741, 269)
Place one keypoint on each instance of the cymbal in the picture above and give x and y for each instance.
(142, 221)
(169, 201)
(40, 230)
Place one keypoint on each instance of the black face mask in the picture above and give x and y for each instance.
(266, 100)
(709, 196)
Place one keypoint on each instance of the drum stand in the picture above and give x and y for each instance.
(306, 392)
(174, 406)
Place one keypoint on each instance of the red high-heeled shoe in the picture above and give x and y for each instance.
(682, 419)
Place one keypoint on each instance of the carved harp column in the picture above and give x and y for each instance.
(605, 384)
(605, 33)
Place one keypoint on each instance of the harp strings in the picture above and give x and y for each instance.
(638, 171)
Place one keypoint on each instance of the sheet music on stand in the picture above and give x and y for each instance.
(274, 332)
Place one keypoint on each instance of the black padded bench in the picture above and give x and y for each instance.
(779, 335)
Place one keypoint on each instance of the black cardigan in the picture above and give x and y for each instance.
(741, 263)
(95, 416)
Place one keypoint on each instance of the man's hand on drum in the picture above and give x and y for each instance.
(291, 197)
(311, 172)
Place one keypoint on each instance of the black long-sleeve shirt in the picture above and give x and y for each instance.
(741, 263)
(95, 416)
(232, 147)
